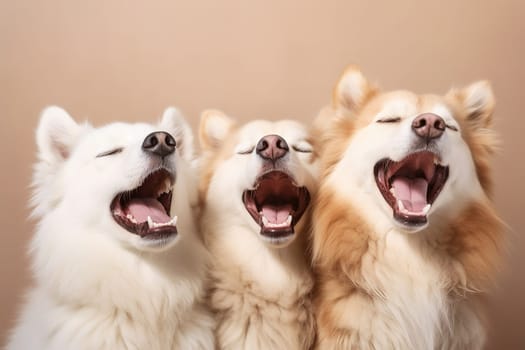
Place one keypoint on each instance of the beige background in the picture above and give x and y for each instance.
(129, 59)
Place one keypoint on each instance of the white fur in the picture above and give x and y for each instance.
(98, 286)
(259, 291)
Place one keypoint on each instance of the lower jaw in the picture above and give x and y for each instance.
(278, 239)
(414, 221)
(160, 235)
(156, 239)
(410, 224)
(157, 242)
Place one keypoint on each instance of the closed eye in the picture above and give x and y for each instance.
(110, 152)
(389, 120)
(302, 149)
(246, 151)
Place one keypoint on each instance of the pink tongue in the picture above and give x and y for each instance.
(141, 208)
(276, 214)
(413, 192)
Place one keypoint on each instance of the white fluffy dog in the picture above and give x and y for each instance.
(116, 257)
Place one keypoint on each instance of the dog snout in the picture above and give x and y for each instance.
(272, 147)
(428, 126)
(160, 143)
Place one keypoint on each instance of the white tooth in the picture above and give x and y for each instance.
(401, 206)
(151, 224)
(172, 222)
(392, 191)
(131, 218)
(426, 209)
(285, 223)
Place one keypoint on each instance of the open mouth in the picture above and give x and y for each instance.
(411, 185)
(145, 210)
(276, 204)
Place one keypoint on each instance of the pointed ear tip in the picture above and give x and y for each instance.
(351, 70)
(210, 113)
(481, 85)
(351, 77)
(54, 116)
(215, 117)
(172, 112)
(54, 112)
(482, 89)
(486, 83)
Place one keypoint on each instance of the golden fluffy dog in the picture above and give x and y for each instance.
(406, 239)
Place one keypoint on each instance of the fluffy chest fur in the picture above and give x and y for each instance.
(261, 299)
(390, 290)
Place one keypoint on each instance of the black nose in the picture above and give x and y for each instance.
(160, 143)
(272, 147)
(428, 126)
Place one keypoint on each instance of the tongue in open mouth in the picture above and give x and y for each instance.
(276, 204)
(145, 210)
(411, 185)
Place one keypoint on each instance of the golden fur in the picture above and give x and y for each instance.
(370, 284)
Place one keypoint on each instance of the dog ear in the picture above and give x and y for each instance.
(352, 89)
(478, 102)
(56, 135)
(214, 126)
(174, 122)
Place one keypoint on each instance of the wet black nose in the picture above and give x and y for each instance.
(428, 126)
(160, 143)
(272, 147)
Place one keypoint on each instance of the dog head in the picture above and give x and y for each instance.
(413, 156)
(259, 175)
(127, 181)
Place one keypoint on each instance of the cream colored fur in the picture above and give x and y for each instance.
(260, 293)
